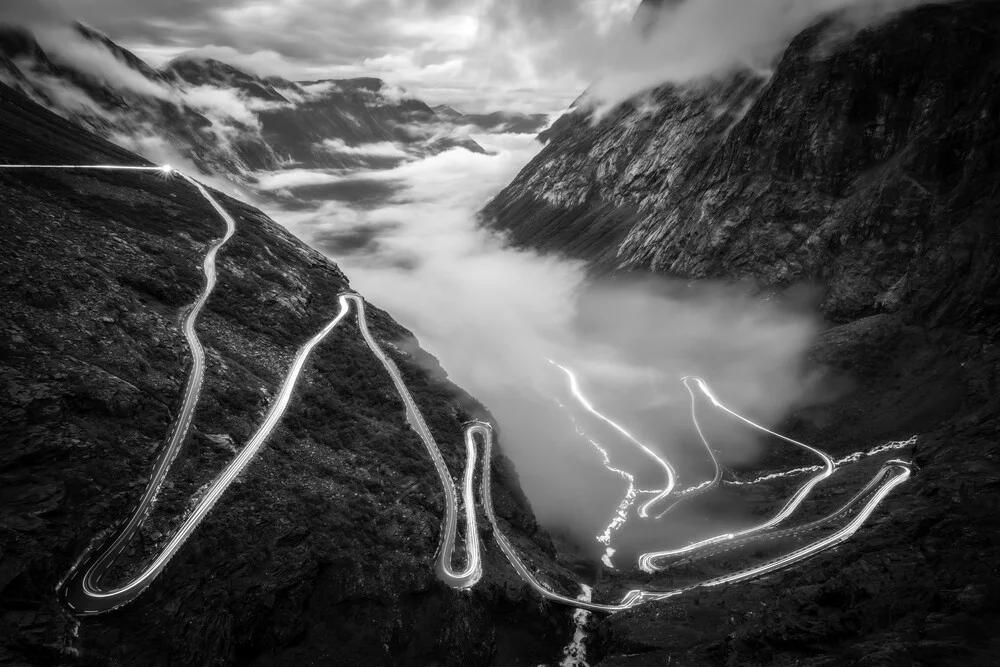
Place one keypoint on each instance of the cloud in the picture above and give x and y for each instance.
(696, 39)
(493, 315)
(68, 98)
(295, 178)
(478, 54)
(65, 45)
(378, 149)
(222, 104)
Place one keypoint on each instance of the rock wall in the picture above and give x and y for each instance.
(866, 166)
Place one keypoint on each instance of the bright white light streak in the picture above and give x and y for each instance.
(850, 458)
(636, 597)
(647, 560)
(107, 167)
(621, 515)
(833, 540)
(470, 575)
(667, 468)
(227, 477)
(707, 485)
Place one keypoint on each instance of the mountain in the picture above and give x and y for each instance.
(323, 550)
(790, 179)
(496, 121)
(113, 93)
(865, 169)
(223, 119)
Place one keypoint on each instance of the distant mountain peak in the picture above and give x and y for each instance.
(448, 111)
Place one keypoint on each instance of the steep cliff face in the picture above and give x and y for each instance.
(866, 167)
(323, 551)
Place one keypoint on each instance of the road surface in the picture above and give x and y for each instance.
(893, 474)
(668, 469)
(83, 589)
(470, 574)
(649, 561)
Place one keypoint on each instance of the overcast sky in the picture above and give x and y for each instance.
(527, 55)
(533, 55)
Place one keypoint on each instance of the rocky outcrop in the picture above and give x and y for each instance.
(866, 167)
(323, 551)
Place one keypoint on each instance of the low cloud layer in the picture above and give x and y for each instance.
(478, 55)
(64, 45)
(494, 315)
(385, 149)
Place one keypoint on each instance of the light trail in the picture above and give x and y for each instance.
(845, 509)
(470, 575)
(636, 597)
(99, 167)
(842, 535)
(81, 587)
(706, 486)
(647, 562)
(667, 468)
(107, 556)
(86, 596)
(621, 514)
(850, 458)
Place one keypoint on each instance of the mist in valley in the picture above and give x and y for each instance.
(405, 228)
(497, 316)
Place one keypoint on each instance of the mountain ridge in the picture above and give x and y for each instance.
(224, 119)
(93, 361)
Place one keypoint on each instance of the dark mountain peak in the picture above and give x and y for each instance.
(196, 70)
(650, 12)
(361, 83)
(18, 42)
(446, 111)
(119, 52)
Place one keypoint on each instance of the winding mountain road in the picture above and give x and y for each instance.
(85, 593)
(648, 561)
(668, 469)
(467, 577)
(633, 598)
(82, 590)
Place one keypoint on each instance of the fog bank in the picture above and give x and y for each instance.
(494, 315)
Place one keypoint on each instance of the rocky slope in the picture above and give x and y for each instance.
(225, 120)
(322, 553)
(496, 121)
(865, 167)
